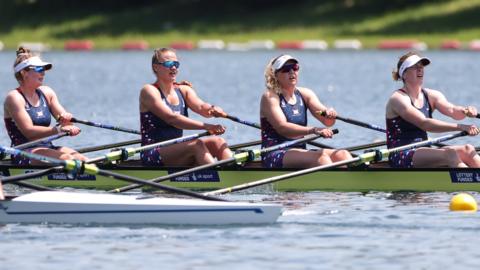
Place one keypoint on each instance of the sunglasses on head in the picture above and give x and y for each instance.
(169, 64)
(287, 68)
(38, 69)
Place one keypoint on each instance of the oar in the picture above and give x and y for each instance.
(77, 166)
(99, 125)
(366, 157)
(108, 146)
(41, 140)
(256, 125)
(365, 146)
(128, 152)
(240, 157)
(478, 115)
(111, 156)
(243, 145)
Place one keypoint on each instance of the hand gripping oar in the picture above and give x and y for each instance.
(76, 166)
(478, 115)
(89, 123)
(240, 157)
(116, 155)
(366, 157)
(41, 141)
(128, 152)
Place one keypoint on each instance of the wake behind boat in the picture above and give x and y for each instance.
(91, 208)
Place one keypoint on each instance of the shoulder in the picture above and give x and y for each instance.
(149, 89)
(270, 95)
(185, 89)
(47, 91)
(305, 92)
(14, 96)
(432, 92)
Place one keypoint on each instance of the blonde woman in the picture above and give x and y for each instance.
(409, 117)
(283, 116)
(164, 108)
(28, 110)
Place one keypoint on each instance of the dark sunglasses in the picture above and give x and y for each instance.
(287, 68)
(38, 69)
(169, 64)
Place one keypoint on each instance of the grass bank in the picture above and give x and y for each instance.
(110, 23)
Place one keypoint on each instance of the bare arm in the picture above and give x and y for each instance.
(440, 102)
(150, 100)
(270, 109)
(14, 107)
(315, 107)
(399, 105)
(195, 103)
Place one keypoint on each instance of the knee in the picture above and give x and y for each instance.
(344, 154)
(66, 156)
(451, 155)
(200, 145)
(469, 149)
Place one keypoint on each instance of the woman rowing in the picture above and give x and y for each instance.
(409, 118)
(28, 109)
(164, 116)
(283, 116)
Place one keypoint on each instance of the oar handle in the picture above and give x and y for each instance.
(99, 125)
(478, 115)
(356, 122)
(41, 141)
(238, 120)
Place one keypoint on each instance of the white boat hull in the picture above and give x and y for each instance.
(91, 208)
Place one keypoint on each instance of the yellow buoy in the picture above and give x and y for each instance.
(463, 202)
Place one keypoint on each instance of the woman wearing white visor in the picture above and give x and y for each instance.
(28, 109)
(409, 118)
(283, 116)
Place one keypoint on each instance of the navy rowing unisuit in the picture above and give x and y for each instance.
(40, 116)
(400, 132)
(156, 130)
(295, 113)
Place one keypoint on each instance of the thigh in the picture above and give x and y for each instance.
(301, 158)
(181, 154)
(429, 157)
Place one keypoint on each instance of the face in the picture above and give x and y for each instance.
(167, 66)
(414, 73)
(33, 75)
(287, 75)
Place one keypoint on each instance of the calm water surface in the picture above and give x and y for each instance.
(317, 230)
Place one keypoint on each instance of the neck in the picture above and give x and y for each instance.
(288, 91)
(413, 88)
(27, 89)
(166, 86)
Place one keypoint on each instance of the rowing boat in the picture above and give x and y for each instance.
(94, 208)
(373, 178)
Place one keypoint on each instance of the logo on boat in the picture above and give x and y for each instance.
(67, 176)
(201, 176)
(465, 176)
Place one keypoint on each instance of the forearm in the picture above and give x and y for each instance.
(434, 125)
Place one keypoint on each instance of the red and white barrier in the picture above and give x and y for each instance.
(79, 45)
(402, 45)
(211, 44)
(347, 44)
(182, 45)
(451, 45)
(474, 45)
(290, 45)
(135, 45)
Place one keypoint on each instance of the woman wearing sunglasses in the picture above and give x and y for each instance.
(283, 116)
(164, 108)
(28, 109)
(409, 117)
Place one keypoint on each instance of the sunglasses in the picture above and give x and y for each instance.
(38, 69)
(287, 68)
(169, 64)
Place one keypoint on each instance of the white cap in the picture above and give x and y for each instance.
(281, 60)
(32, 61)
(410, 61)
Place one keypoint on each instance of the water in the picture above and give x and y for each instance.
(317, 230)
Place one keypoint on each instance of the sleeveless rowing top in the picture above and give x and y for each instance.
(40, 115)
(154, 129)
(296, 113)
(400, 132)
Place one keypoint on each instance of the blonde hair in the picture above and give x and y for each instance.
(271, 81)
(157, 53)
(395, 74)
(22, 55)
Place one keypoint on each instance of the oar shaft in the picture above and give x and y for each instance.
(41, 141)
(33, 186)
(371, 156)
(16, 178)
(236, 158)
(238, 120)
(159, 186)
(478, 115)
(99, 125)
(108, 146)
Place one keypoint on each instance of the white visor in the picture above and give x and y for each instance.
(280, 61)
(32, 61)
(410, 61)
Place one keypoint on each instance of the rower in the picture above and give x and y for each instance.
(2, 196)
(409, 118)
(28, 110)
(164, 108)
(283, 115)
